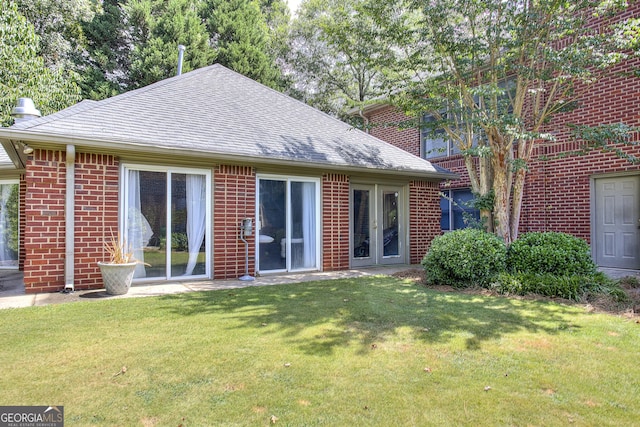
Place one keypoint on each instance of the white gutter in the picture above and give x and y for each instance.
(70, 205)
(140, 147)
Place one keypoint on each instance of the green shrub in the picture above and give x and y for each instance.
(464, 258)
(179, 242)
(603, 285)
(573, 287)
(546, 284)
(559, 254)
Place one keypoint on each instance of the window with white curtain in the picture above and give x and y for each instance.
(9, 237)
(288, 218)
(166, 221)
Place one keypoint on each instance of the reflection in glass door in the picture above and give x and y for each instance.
(288, 224)
(272, 220)
(376, 225)
(166, 222)
(390, 227)
(9, 239)
(362, 225)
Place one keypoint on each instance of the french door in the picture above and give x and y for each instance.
(166, 215)
(288, 224)
(377, 225)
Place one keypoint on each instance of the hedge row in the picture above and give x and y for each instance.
(550, 264)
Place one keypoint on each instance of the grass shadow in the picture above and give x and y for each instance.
(319, 317)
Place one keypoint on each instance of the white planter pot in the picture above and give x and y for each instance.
(117, 277)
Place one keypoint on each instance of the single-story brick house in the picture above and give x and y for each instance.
(175, 167)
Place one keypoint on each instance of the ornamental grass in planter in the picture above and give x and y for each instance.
(117, 273)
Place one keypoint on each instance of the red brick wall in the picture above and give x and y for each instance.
(557, 192)
(234, 198)
(424, 217)
(386, 126)
(44, 222)
(96, 212)
(335, 222)
(456, 165)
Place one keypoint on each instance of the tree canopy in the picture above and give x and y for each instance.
(158, 27)
(241, 38)
(492, 74)
(337, 53)
(23, 72)
(111, 46)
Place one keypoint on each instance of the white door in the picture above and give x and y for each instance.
(617, 222)
(376, 225)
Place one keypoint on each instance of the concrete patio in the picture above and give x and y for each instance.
(12, 294)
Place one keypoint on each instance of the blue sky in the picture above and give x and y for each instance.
(293, 5)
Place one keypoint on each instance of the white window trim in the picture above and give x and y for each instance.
(288, 179)
(124, 167)
(14, 182)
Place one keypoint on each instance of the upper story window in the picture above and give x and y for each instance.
(434, 142)
(492, 106)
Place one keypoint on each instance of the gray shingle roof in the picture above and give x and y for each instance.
(216, 111)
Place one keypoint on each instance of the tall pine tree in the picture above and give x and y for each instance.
(105, 67)
(241, 37)
(159, 26)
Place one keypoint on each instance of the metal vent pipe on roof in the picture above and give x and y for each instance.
(25, 110)
(181, 49)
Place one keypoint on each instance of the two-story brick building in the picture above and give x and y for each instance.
(594, 196)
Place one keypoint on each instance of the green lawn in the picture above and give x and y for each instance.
(371, 351)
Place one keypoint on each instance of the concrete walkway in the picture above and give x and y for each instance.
(12, 293)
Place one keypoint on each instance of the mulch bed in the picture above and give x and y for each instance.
(594, 303)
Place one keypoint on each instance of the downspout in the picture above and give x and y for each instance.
(70, 205)
(365, 120)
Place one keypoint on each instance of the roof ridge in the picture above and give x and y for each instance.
(288, 97)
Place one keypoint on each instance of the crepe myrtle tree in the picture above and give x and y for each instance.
(490, 74)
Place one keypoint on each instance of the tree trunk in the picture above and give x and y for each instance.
(516, 204)
(501, 209)
(486, 182)
(481, 178)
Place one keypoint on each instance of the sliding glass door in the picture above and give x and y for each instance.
(9, 236)
(166, 221)
(288, 224)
